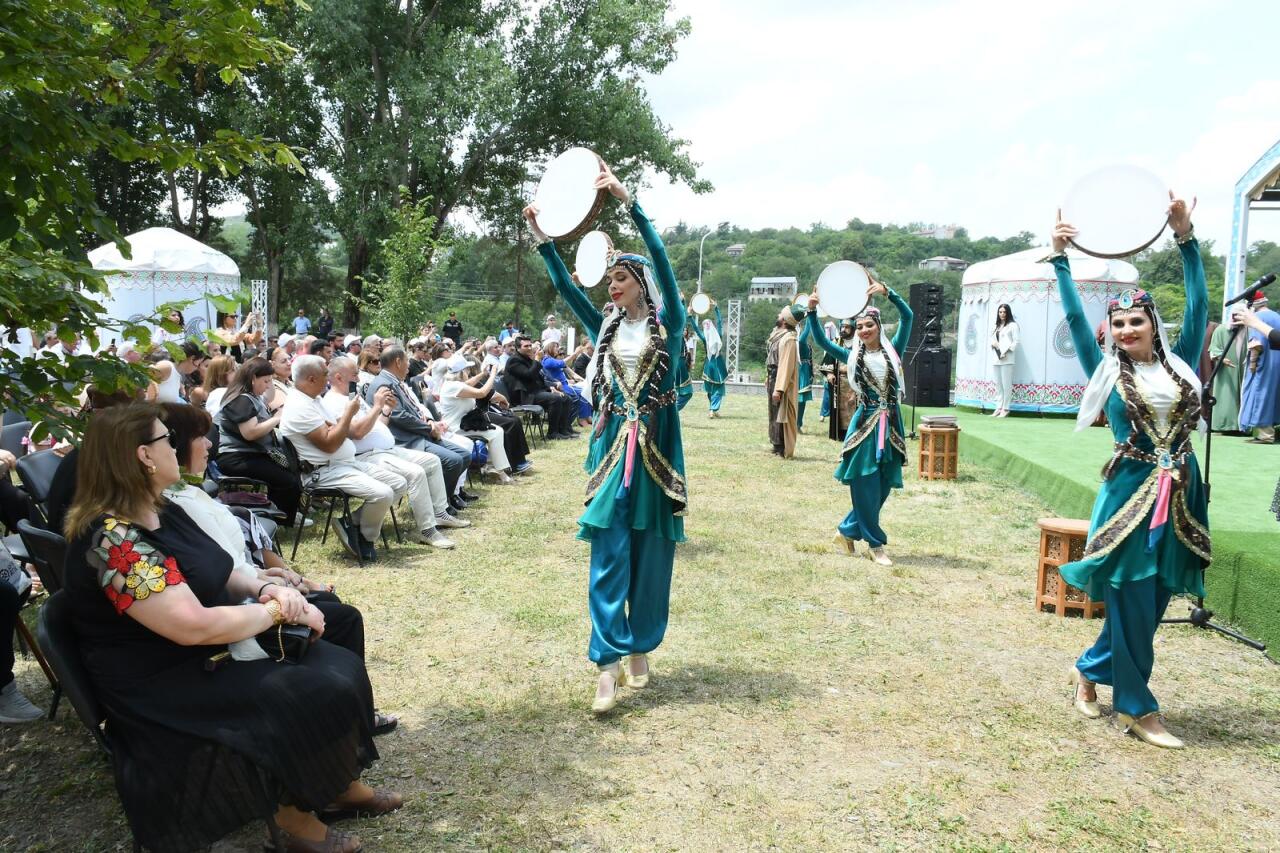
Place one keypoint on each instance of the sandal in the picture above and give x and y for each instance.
(382, 802)
(384, 723)
(335, 841)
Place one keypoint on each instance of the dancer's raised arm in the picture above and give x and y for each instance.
(905, 322)
(1087, 349)
(575, 297)
(831, 348)
(1196, 315)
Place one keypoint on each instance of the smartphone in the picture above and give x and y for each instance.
(351, 388)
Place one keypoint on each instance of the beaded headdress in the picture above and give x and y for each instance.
(1130, 299)
(641, 269)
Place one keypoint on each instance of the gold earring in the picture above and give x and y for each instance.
(151, 469)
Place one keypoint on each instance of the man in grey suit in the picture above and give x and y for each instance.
(412, 427)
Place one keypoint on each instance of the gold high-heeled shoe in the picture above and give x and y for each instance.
(879, 557)
(1087, 709)
(605, 704)
(641, 681)
(1161, 739)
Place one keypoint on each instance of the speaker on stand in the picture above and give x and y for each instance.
(926, 363)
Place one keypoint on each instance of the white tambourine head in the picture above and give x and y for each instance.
(842, 289)
(592, 260)
(701, 303)
(1118, 211)
(566, 195)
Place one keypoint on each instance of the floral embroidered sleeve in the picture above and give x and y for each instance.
(130, 568)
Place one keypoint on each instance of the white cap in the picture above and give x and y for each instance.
(458, 363)
(350, 339)
(284, 339)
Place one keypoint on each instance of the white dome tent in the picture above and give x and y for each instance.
(167, 266)
(1046, 376)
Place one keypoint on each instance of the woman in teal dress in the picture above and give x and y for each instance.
(1149, 534)
(636, 491)
(714, 368)
(806, 374)
(875, 448)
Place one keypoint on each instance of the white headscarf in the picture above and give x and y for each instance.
(1104, 379)
(713, 338)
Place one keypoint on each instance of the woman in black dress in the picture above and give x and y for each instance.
(198, 754)
(247, 444)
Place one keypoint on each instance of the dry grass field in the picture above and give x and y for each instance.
(803, 700)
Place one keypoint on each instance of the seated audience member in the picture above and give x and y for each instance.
(281, 378)
(524, 378)
(492, 354)
(417, 356)
(553, 367)
(217, 376)
(14, 707)
(372, 343)
(247, 443)
(368, 367)
(320, 347)
(582, 357)
(376, 446)
(200, 754)
(343, 624)
(458, 408)
(351, 345)
(324, 447)
(174, 381)
(412, 427)
(15, 504)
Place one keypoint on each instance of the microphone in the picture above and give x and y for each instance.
(1251, 292)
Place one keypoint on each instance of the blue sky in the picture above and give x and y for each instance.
(981, 113)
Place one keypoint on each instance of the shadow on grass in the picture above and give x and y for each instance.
(1224, 725)
(711, 684)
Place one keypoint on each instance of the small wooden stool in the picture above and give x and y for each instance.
(1062, 541)
(939, 450)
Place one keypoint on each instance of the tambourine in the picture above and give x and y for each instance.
(567, 199)
(592, 259)
(701, 303)
(842, 289)
(1117, 210)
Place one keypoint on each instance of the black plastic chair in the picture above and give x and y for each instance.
(11, 436)
(57, 634)
(311, 496)
(36, 471)
(47, 551)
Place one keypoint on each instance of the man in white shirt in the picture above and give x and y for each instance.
(552, 332)
(377, 446)
(326, 445)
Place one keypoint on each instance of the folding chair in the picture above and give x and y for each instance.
(35, 471)
(11, 438)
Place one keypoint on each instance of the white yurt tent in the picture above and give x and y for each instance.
(1046, 376)
(167, 266)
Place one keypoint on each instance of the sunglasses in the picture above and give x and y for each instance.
(171, 435)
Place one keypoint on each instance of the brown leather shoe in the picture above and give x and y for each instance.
(382, 802)
(335, 841)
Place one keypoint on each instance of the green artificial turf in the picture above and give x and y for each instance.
(1063, 468)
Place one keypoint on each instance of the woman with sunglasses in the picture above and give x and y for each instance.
(154, 599)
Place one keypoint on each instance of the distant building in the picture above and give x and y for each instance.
(736, 250)
(773, 288)
(943, 263)
(938, 232)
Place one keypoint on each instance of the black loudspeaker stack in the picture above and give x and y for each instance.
(926, 363)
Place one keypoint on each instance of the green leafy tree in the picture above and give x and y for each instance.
(67, 63)
(398, 300)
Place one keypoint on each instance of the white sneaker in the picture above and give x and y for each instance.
(451, 522)
(434, 538)
(303, 520)
(16, 708)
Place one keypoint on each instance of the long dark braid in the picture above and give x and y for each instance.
(663, 363)
(598, 381)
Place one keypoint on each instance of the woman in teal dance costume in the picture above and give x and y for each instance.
(805, 374)
(636, 491)
(1149, 534)
(714, 368)
(875, 448)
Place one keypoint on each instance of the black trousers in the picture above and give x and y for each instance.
(343, 624)
(513, 437)
(14, 505)
(284, 487)
(560, 409)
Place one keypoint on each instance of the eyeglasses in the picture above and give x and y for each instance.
(171, 435)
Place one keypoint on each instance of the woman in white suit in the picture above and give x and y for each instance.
(1004, 343)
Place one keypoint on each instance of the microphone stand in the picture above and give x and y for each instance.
(1200, 616)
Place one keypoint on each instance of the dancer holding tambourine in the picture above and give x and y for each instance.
(1149, 534)
(875, 448)
(714, 368)
(636, 492)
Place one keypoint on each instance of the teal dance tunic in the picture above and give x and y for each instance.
(860, 459)
(714, 368)
(1118, 530)
(658, 496)
(806, 365)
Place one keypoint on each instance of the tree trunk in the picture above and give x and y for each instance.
(275, 278)
(357, 261)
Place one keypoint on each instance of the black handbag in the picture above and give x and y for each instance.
(285, 643)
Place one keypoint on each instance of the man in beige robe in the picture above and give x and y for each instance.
(782, 363)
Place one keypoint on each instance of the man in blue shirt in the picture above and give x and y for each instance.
(508, 332)
(301, 325)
